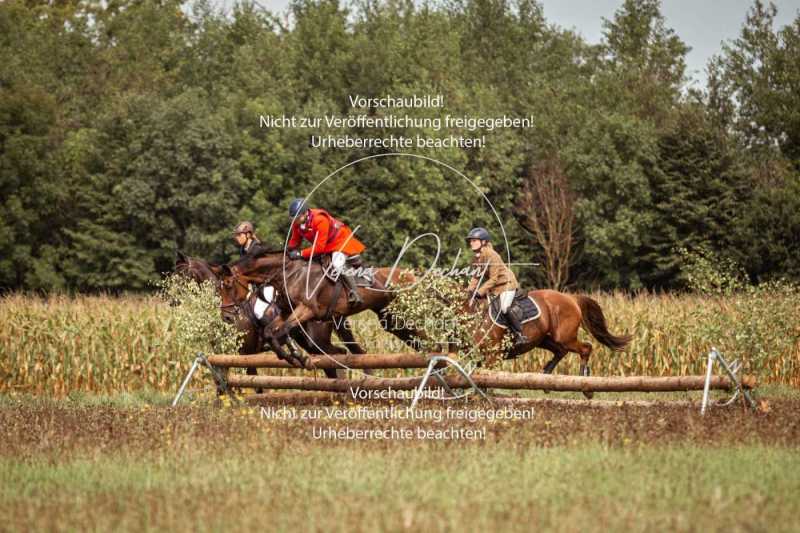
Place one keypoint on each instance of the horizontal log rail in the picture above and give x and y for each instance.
(356, 361)
(496, 380)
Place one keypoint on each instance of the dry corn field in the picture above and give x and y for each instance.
(105, 344)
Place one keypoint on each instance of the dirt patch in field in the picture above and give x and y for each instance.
(50, 428)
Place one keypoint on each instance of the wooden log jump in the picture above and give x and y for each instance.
(363, 361)
(481, 379)
(495, 380)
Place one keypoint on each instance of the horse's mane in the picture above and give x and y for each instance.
(194, 267)
(249, 262)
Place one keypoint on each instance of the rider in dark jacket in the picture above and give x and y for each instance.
(245, 236)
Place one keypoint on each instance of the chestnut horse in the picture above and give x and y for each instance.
(556, 329)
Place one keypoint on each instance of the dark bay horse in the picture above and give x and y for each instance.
(310, 296)
(316, 339)
(556, 329)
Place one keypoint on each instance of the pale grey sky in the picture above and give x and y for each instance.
(702, 24)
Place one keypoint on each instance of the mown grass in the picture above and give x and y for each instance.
(104, 345)
(440, 488)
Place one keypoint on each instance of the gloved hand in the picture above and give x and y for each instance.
(295, 254)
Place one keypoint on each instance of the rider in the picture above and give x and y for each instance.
(501, 280)
(245, 236)
(327, 236)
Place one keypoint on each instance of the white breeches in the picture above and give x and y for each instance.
(506, 297)
(338, 260)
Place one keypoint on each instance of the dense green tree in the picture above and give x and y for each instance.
(760, 72)
(699, 194)
(131, 128)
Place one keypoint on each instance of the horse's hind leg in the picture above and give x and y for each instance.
(345, 334)
(584, 349)
(558, 354)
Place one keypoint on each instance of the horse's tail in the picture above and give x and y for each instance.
(594, 321)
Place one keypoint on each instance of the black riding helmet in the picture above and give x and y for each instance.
(478, 233)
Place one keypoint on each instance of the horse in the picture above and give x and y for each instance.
(196, 269)
(308, 295)
(556, 329)
(315, 340)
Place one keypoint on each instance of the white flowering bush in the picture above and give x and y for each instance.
(745, 320)
(195, 317)
(706, 272)
(434, 305)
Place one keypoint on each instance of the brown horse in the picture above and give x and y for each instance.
(310, 295)
(196, 269)
(556, 329)
(315, 340)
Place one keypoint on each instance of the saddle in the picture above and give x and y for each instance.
(523, 303)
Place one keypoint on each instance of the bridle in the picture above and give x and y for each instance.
(191, 270)
(242, 284)
(242, 307)
(248, 286)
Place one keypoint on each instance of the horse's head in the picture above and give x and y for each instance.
(234, 289)
(196, 269)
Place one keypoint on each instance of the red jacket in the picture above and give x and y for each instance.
(331, 234)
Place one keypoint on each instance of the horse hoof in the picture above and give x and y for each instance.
(298, 361)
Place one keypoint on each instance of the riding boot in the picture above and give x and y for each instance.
(353, 298)
(516, 326)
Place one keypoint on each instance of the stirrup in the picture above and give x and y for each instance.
(354, 298)
(520, 339)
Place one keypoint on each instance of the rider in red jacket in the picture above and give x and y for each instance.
(327, 236)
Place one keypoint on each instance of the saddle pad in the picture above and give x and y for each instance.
(264, 299)
(530, 310)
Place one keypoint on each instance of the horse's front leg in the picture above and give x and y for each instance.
(280, 330)
(301, 314)
(293, 357)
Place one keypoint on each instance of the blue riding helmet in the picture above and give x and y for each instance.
(478, 233)
(297, 207)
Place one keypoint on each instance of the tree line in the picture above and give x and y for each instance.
(130, 129)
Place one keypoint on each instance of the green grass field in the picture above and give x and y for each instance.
(69, 465)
